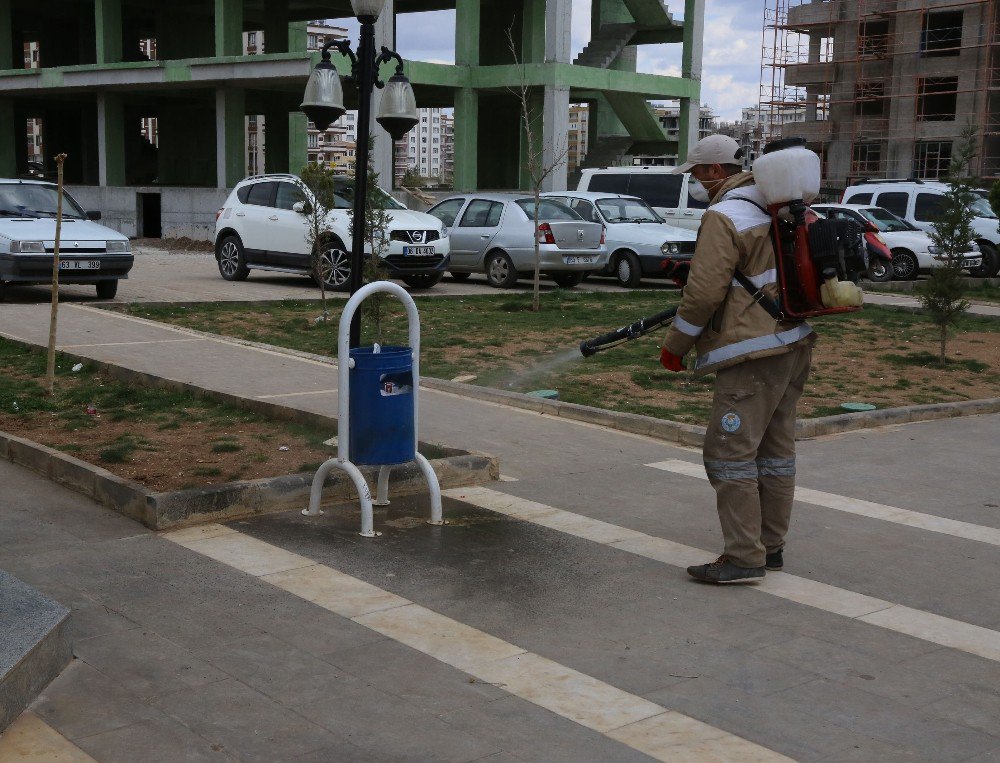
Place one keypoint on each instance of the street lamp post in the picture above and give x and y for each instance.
(323, 104)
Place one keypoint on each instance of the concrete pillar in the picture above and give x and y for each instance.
(466, 175)
(298, 141)
(533, 31)
(276, 28)
(467, 22)
(230, 137)
(110, 140)
(558, 31)
(108, 30)
(8, 140)
(228, 27)
(7, 58)
(690, 111)
(555, 113)
(276, 128)
(298, 36)
(382, 152)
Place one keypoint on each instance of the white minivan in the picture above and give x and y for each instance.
(919, 201)
(664, 192)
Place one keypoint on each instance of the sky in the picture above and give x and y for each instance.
(731, 75)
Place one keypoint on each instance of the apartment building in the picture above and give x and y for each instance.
(669, 118)
(579, 135)
(886, 86)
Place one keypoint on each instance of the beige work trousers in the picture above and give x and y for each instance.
(749, 451)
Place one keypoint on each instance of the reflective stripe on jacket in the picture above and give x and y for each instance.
(716, 314)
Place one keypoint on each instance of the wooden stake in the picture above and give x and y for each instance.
(50, 372)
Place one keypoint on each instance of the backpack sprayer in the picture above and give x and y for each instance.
(819, 262)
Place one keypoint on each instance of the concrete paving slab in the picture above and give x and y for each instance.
(162, 741)
(31, 740)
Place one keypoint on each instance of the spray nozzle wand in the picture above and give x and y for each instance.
(627, 333)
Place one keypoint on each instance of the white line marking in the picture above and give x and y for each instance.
(629, 719)
(297, 394)
(861, 508)
(508, 478)
(927, 626)
(125, 344)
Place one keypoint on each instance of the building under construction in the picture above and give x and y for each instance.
(887, 86)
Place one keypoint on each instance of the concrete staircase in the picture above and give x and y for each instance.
(34, 646)
(606, 46)
(606, 152)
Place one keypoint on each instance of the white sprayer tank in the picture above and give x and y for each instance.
(788, 175)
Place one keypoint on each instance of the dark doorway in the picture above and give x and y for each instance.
(148, 208)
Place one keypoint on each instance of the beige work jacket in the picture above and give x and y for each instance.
(717, 316)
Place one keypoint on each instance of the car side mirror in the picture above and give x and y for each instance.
(94, 214)
(302, 207)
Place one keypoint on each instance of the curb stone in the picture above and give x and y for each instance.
(218, 503)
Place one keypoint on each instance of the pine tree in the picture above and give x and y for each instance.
(943, 293)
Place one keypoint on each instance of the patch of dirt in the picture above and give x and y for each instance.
(195, 454)
(180, 244)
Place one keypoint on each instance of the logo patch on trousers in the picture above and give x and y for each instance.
(731, 422)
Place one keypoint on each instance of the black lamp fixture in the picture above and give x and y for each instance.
(323, 104)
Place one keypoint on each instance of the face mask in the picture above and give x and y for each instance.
(697, 191)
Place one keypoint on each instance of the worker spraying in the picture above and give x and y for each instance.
(763, 263)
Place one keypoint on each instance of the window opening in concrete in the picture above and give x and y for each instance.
(148, 223)
(866, 158)
(35, 145)
(822, 107)
(937, 99)
(147, 48)
(142, 164)
(825, 50)
(254, 124)
(869, 98)
(931, 160)
(873, 39)
(942, 34)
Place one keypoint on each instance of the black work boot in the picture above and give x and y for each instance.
(773, 561)
(724, 571)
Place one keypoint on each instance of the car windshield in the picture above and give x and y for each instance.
(981, 207)
(548, 209)
(343, 197)
(31, 200)
(884, 220)
(627, 211)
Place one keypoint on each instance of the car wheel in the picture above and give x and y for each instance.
(232, 259)
(107, 289)
(904, 265)
(568, 280)
(334, 267)
(991, 262)
(460, 276)
(879, 271)
(500, 272)
(628, 272)
(422, 280)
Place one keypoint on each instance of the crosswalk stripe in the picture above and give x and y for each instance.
(862, 508)
(926, 626)
(645, 726)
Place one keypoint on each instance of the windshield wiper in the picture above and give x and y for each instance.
(16, 213)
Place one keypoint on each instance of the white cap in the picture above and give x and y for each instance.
(713, 149)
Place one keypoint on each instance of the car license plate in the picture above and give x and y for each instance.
(79, 264)
(973, 262)
(419, 251)
(581, 260)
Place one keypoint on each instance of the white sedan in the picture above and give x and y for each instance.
(913, 250)
(641, 243)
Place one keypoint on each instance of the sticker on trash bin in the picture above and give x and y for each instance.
(391, 385)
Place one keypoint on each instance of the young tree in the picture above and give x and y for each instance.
(537, 168)
(942, 294)
(319, 180)
(376, 227)
(412, 178)
(50, 367)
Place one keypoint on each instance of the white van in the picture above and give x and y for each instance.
(664, 192)
(918, 202)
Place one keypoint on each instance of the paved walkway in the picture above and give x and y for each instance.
(550, 621)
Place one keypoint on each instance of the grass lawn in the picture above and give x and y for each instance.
(165, 440)
(980, 293)
(879, 356)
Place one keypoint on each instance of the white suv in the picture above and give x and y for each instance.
(262, 227)
(665, 192)
(919, 201)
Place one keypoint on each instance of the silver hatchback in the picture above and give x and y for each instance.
(494, 233)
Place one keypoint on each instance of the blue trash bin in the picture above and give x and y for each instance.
(382, 426)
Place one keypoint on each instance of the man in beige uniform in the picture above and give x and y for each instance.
(761, 365)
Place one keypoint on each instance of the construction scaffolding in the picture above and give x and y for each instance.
(881, 90)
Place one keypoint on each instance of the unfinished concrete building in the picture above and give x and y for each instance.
(95, 86)
(888, 86)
